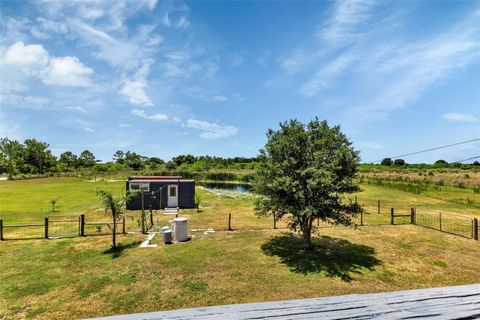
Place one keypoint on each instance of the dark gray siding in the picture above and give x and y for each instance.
(186, 196)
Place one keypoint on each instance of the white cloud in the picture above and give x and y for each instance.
(212, 130)
(88, 129)
(219, 98)
(343, 25)
(34, 60)
(124, 125)
(326, 75)
(459, 117)
(135, 89)
(77, 109)
(67, 71)
(142, 114)
(31, 59)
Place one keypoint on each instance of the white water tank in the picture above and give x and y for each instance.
(180, 229)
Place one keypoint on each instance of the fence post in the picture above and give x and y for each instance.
(318, 222)
(274, 222)
(46, 227)
(440, 220)
(392, 212)
(378, 207)
(361, 217)
(123, 227)
(1, 230)
(82, 225)
(229, 222)
(412, 215)
(475, 229)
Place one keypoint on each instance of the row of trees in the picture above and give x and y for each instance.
(437, 164)
(35, 157)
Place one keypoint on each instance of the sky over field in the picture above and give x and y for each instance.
(167, 78)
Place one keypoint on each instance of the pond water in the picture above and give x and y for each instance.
(237, 187)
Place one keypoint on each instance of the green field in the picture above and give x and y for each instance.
(80, 277)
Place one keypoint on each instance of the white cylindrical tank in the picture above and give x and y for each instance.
(180, 229)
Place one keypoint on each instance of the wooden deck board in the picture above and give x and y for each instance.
(459, 302)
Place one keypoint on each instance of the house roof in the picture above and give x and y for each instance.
(154, 177)
(161, 180)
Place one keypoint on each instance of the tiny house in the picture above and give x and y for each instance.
(160, 192)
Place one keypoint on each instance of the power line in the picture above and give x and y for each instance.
(467, 159)
(431, 149)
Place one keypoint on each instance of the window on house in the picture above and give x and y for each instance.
(173, 191)
(140, 186)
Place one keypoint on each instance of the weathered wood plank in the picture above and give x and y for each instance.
(459, 302)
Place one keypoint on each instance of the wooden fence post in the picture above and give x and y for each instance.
(123, 227)
(229, 222)
(1, 230)
(361, 217)
(82, 225)
(274, 222)
(440, 220)
(475, 229)
(412, 215)
(378, 207)
(46, 228)
(392, 212)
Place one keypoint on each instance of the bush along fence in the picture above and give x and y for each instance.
(62, 226)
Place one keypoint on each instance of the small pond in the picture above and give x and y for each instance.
(236, 187)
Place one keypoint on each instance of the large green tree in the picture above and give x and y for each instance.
(303, 174)
(37, 156)
(86, 159)
(10, 153)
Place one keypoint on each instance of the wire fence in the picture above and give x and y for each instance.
(373, 213)
(63, 226)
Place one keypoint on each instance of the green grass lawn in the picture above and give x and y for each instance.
(81, 277)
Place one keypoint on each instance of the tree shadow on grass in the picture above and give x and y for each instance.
(334, 257)
(118, 251)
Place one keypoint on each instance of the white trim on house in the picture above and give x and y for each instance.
(139, 186)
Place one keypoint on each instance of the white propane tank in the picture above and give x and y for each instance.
(180, 229)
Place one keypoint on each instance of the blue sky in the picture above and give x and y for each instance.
(167, 78)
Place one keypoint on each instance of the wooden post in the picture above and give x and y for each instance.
(475, 229)
(440, 220)
(378, 207)
(318, 222)
(412, 216)
(143, 212)
(124, 227)
(1, 230)
(274, 222)
(46, 228)
(82, 225)
(229, 222)
(392, 212)
(151, 217)
(361, 217)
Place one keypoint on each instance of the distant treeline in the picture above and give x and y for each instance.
(388, 164)
(33, 157)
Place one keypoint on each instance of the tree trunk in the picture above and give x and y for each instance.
(114, 238)
(307, 243)
(10, 171)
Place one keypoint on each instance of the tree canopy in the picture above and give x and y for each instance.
(303, 173)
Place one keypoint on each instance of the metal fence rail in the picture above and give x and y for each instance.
(454, 224)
